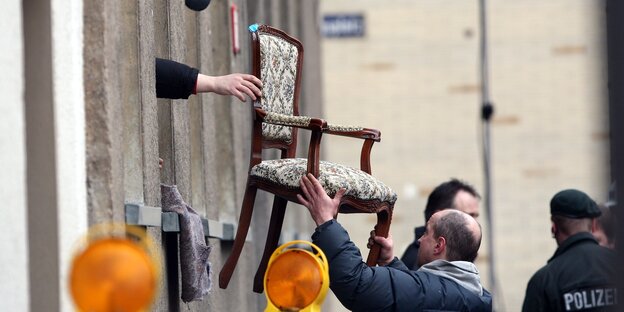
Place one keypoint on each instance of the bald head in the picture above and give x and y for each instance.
(462, 234)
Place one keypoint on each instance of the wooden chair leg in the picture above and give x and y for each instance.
(241, 234)
(382, 228)
(275, 228)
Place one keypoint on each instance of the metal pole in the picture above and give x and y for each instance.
(487, 109)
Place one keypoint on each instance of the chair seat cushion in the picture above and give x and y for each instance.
(358, 184)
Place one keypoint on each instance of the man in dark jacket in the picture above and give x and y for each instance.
(579, 275)
(447, 280)
(453, 194)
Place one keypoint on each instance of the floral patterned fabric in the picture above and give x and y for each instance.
(278, 71)
(288, 120)
(359, 184)
(344, 128)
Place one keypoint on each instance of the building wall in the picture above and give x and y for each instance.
(41, 157)
(69, 134)
(14, 283)
(204, 141)
(86, 136)
(415, 76)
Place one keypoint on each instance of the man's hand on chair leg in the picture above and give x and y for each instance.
(386, 253)
(322, 207)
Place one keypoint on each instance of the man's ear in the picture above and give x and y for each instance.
(594, 225)
(440, 246)
(553, 229)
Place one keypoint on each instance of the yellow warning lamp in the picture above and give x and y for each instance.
(115, 269)
(296, 279)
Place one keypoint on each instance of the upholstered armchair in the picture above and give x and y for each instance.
(277, 61)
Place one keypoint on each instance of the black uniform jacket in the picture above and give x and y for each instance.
(577, 278)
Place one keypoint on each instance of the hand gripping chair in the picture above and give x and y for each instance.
(277, 61)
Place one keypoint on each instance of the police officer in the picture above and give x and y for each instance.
(579, 275)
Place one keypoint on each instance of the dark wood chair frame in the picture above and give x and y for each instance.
(318, 127)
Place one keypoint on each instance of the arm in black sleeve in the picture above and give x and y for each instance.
(397, 264)
(174, 80)
(534, 297)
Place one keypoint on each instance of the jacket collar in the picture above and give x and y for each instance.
(578, 238)
(462, 272)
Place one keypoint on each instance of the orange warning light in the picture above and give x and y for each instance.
(296, 279)
(113, 274)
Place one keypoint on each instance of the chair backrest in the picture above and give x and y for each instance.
(277, 61)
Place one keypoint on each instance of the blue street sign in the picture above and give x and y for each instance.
(343, 25)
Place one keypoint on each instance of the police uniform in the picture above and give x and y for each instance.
(579, 275)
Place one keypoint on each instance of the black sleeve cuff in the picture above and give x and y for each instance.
(174, 80)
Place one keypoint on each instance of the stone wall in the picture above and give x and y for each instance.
(204, 141)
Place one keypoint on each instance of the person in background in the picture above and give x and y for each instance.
(605, 227)
(178, 81)
(447, 279)
(579, 276)
(453, 194)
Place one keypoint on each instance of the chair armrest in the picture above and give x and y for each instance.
(316, 125)
(369, 136)
(354, 132)
(304, 122)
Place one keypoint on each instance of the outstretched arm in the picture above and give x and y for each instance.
(238, 85)
(323, 208)
(178, 81)
(358, 286)
(363, 288)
